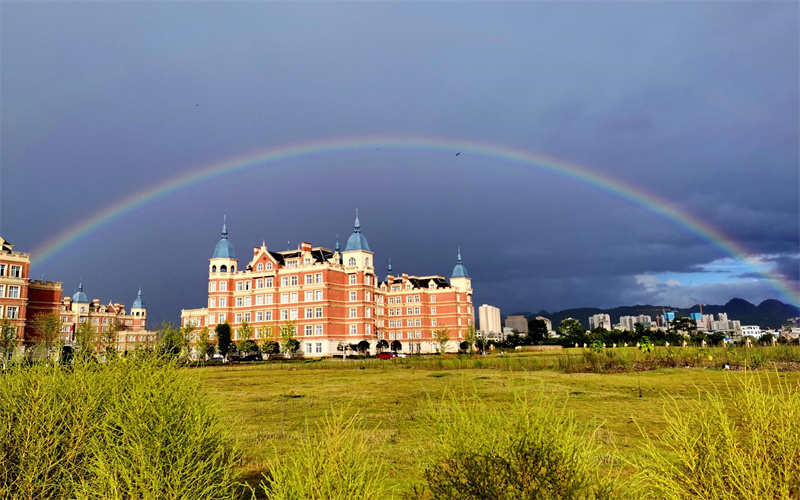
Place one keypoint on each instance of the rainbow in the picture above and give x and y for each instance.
(634, 195)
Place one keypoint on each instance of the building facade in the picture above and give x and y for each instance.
(600, 320)
(518, 323)
(331, 298)
(130, 327)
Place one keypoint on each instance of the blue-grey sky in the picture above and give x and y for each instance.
(696, 103)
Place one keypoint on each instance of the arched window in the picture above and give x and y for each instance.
(269, 266)
(260, 267)
(213, 269)
(233, 269)
(223, 268)
(366, 262)
(352, 261)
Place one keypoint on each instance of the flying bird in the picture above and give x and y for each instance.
(458, 153)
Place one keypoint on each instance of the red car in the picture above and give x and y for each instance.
(386, 355)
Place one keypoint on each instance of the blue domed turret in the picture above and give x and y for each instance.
(459, 271)
(79, 295)
(224, 249)
(139, 303)
(357, 241)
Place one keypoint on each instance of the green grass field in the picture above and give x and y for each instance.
(270, 407)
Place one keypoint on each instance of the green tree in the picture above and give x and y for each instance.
(109, 338)
(186, 337)
(245, 331)
(84, 340)
(442, 337)
(170, 342)
(205, 348)
(683, 326)
(537, 331)
(481, 343)
(289, 344)
(8, 340)
(470, 338)
(381, 345)
(572, 330)
(47, 327)
(224, 342)
(645, 345)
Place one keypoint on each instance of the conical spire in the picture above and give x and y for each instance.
(224, 249)
(357, 225)
(458, 260)
(225, 226)
(337, 247)
(459, 271)
(389, 269)
(139, 303)
(79, 296)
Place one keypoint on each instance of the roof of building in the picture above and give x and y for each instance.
(459, 271)
(224, 249)
(420, 282)
(79, 296)
(357, 241)
(139, 303)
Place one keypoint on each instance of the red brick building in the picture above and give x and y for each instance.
(333, 297)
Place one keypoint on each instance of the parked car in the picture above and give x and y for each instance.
(401, 355)
(386, 355)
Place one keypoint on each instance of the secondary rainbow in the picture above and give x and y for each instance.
(555, 166)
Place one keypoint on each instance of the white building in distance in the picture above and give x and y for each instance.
(489, 318)
(599, 320)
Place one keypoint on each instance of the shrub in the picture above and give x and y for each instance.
(335, 462)
(737, 445)
(133, 428)
(533, 449)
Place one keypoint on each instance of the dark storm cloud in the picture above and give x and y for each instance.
(696, 103)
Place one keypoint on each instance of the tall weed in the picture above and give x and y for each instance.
(741, 444)
(336, 461)
(533, 449)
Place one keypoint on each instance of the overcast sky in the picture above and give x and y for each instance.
(696, 103)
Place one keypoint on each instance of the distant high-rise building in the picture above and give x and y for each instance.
(489, 319)
(600, 320)
(518, 323)
(628, 323)
(547, 322)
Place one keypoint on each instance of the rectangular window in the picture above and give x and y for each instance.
(293, 297)
(222, 317)
(238, 317)
(2, 269)
(223, 302)
(416, 310)
(353, 296)
(409, 311)
(259, 283)
(211, 319)
(285, 281)
(366, 296)
(293, 314)
(239, 286)
(368, 312)
(259, 316)
(353, 329)
(247, 285)
(259, 300)
(213, 286)
(11, 312)
(268, 283)
(16, 271)
(352, 279)
(13, 292)
(433, 322)
(317, 312)
(268, 299)
(238, 302)
(409, 299)
(308, 296)
(318, 347)
(318, 295)
(416, 298)
(409, 322)
(353, 312)
(433, 310)
(309, 313)
(212, 302)
(284, 298)
(223, 286)
(309, 331)
(318, 330)
(391, 300)
(284, 314)
(308, 348)
(247, 317)
(417, 322)
(318, 278)
(367, 279)
(391, 312)
(291, 263)
(367, 329)
(433, 298)
(309, 279)
(267, 315)
(294, 280)
(248, 301)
